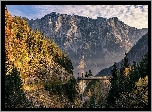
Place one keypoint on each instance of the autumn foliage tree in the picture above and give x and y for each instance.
(27, 49)
(30, 52)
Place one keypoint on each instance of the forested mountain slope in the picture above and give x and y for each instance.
(37, 73)
(135, 54)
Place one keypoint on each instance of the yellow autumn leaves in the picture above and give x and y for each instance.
(25, 49)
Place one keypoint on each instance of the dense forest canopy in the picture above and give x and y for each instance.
(129, 85)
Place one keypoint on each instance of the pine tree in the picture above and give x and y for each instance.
(114, 89)
(14, 95)
(118, 81)
(144, 66)
(135, 93)
(124, 79)
(139, 70)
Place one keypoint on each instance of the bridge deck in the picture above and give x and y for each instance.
(93, 78)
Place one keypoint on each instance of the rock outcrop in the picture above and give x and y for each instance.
(103, 40)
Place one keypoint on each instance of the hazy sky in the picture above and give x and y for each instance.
(132, 15)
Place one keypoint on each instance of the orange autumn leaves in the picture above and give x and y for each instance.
(16, 34)
(25, 48)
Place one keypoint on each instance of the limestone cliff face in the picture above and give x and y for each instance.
(103, 40)
(135, 54)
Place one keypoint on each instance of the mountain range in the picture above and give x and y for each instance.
(135, 54)
(91, 44)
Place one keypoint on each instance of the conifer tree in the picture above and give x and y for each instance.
(144, 66)
(135, 93)
(114, 90)
(14, 95)
(123, 78)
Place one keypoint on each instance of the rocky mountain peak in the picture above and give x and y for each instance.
(102, 40)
